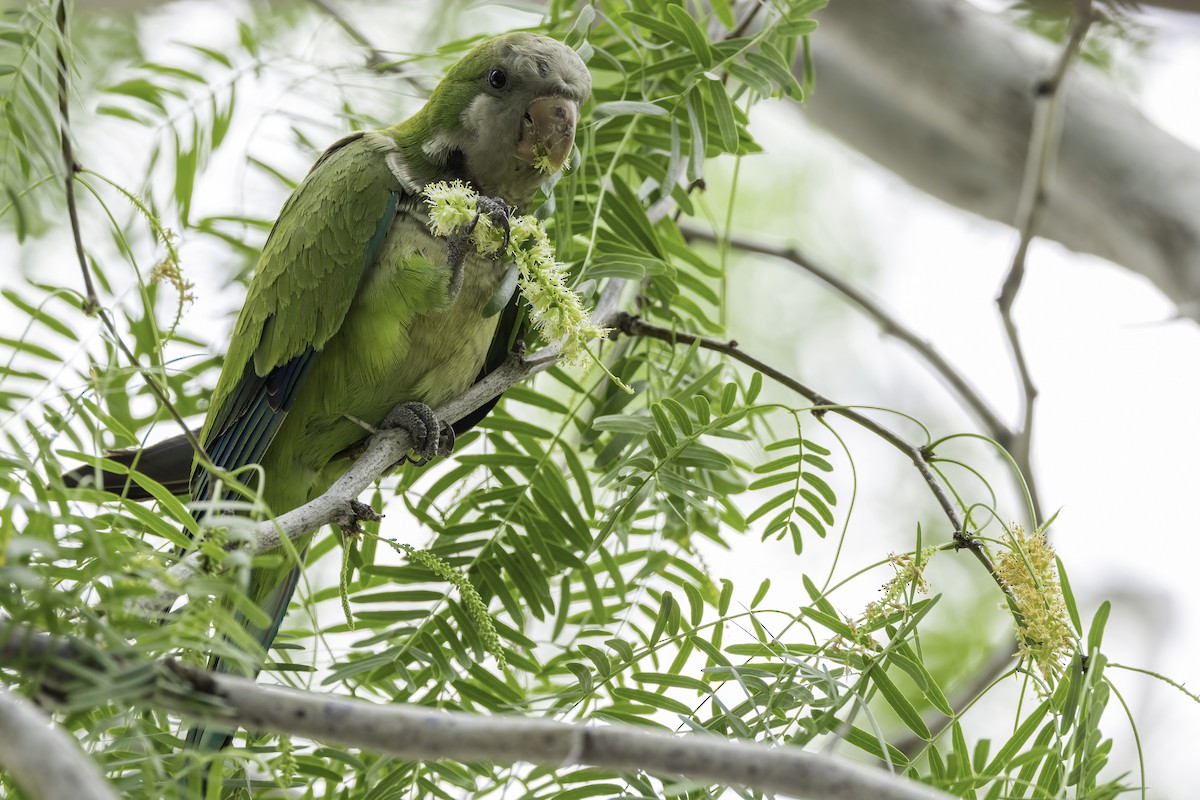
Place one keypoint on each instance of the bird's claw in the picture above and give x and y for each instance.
(431, 437)
(498, 212)
(356, 512)
(516, 356)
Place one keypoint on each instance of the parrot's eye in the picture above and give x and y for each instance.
(497, 78)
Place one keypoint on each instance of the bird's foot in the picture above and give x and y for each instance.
(516, 356)
(459, 243)
(497, 211)
(356, 512)
(431, 437)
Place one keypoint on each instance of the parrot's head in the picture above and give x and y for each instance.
(508, 108)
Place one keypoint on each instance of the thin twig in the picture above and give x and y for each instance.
(375, 58)
(891, 325)
(91, 303)
(888, 322)
(1043, 143)
(747, 21)
(635, 326)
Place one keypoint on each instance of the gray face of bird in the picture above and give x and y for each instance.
(520, 127)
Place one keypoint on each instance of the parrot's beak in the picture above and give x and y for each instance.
(547, 133)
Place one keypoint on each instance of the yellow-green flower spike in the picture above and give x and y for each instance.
(473, 604)
(1029, 572)
(556, 311)
(451, 205)
(541, 159)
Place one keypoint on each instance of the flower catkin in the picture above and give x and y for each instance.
(555, 310)
(909, 571)
(1030, 574)
(475, 607)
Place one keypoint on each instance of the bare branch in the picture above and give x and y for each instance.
(1044, 142)
(941, 93)
(42, 760)
(415, 732)
(890, 324)
(635, 326)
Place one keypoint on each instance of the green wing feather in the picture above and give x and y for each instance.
(310, 267)
(325, 238)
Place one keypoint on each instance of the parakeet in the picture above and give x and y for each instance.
(355, 307)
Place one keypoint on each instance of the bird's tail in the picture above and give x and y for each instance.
(169, 462)
(209, 737)
(206, 737)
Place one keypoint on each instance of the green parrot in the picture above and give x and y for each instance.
(356, 308)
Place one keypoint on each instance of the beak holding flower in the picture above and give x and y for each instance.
(547, 133)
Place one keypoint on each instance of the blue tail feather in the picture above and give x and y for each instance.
(275, 605)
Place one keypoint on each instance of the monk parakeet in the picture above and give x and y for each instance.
(356, 307)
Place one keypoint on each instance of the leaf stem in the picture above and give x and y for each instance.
(91, 302)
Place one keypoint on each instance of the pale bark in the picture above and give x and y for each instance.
(425, 734)
(42, 760)
(942, 93)
(418, 733)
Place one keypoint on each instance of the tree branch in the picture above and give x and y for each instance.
(383, 450)
(942, 93)
(417, 732)
(1044, 141)
(635, 326)
(888, 322)
(42, 760)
